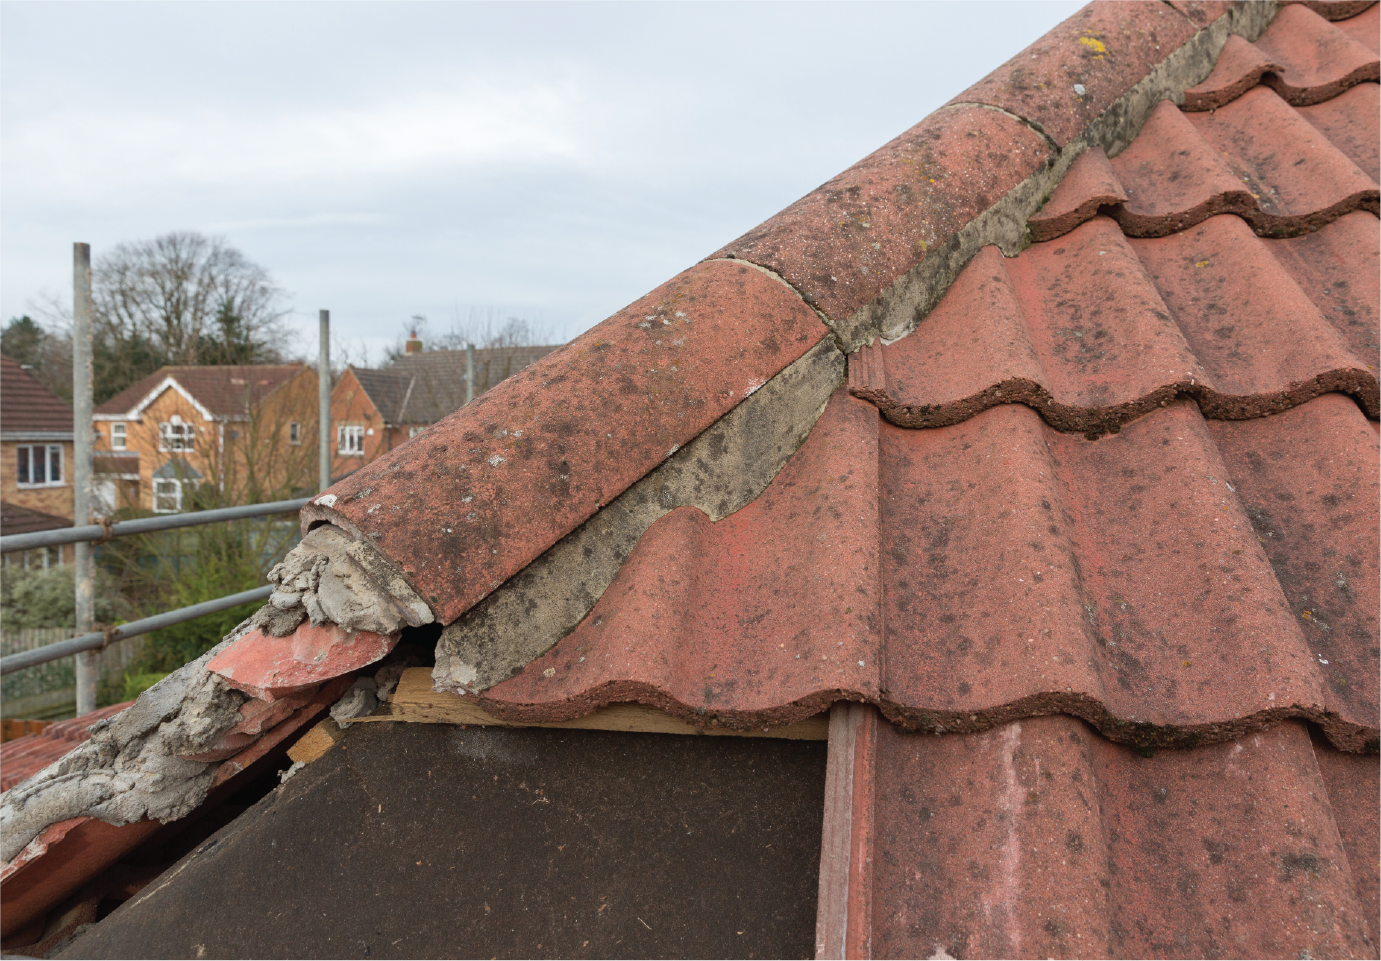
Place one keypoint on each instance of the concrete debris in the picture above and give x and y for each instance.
(387, 677)
(130, 768)
(359, 701)
(332, 578)
(720, 471)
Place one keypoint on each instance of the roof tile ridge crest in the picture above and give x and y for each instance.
(805, 298)
(1035, 125)
(900, 305)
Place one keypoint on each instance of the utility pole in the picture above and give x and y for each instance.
(469, 372)
(81, 469)
(323, 377)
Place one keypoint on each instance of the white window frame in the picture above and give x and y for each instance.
(295, 433)
(48, 451)
(415, 430)
(176, 435)
(119, 437)
(350, 440)
(175, 491)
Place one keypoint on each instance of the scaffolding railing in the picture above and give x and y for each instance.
(96, 533)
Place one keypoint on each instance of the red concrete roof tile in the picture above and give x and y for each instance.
(1240, 66)
(1365, 28)
(998, 601)
(1041, 839)
(1089, 185)
(1350, 121)
(1262, 343)
(571, 432)
(848, 240)
(1095, 329)
(1298, 178)
(1174, 178)
(1334, 9)
(784, 592)
(1318, 59)
(28, 755)
(1104, 50)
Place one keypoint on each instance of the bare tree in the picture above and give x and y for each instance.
(489, 329)
(192, 299)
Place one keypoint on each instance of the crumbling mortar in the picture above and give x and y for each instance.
(130, 768)
(721, 471)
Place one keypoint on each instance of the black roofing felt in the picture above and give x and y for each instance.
(420, 840)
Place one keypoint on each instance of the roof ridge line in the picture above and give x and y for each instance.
(896, 309)
(1033, 124)
(805, 298)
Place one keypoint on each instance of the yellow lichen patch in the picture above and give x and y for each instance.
(1201, 263)
(1094, 44)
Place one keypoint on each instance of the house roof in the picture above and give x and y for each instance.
(424, 387)
(220, 390)
(28, 755)
(22, 520)
(1081, 554)
(28, 410)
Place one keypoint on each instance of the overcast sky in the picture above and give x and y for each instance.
(448, 159)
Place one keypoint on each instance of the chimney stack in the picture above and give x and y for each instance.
(413, 346)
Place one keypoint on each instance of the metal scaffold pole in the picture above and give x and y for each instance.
(323, 374)
(81, 469)
(469, 372)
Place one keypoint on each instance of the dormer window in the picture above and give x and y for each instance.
(175, 435)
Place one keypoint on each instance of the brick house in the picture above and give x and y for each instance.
(249, 429)
(35, 460)
(376, 410)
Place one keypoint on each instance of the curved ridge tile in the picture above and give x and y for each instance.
(1240, 66)
(848, 240)
(1263, 344)
(1041, 839)
(1299, 179)
(1077, 70)
(1120, 582)
(510, 474)
(1319, 60)
(1334, 9)
(780, 599)
(1074, 328)
(1352, 122)
(1089, 185)
(1309, 481)
(1174, 178)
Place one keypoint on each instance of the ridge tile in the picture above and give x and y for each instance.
(510, 474)
(1104, 50)
(847, 241)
